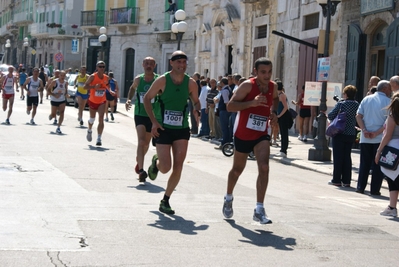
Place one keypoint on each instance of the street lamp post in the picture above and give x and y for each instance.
(8, 46)
(26, 44)
(320, 151)
(179, 27)
(103, 40)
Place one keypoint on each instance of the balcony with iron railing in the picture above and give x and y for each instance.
(124, 16)
(65, 31)
(24, 17)
(39, 29)
(94, 18)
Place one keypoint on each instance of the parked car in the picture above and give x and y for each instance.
(71, 89)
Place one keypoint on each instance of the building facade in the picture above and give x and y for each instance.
(51, 28)
(231, 35)
(135, 29)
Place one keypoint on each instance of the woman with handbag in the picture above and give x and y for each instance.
(342, 142)
(391, 138)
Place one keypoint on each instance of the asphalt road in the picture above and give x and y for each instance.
(66, 202)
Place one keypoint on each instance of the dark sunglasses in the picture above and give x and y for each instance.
(101, 67)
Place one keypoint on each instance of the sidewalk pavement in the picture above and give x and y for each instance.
(297, 153)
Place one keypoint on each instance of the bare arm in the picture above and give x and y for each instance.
(157, 86)
(236, 102)
(390, 127)
(27, 81)
(193, 91)
(132, 91)
(283, 99)
(88, 82)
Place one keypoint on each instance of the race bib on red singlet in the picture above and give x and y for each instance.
(257, 122)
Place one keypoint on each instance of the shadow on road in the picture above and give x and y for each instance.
(176, 223)
(264, 238)
(98, 148)
(150, 188)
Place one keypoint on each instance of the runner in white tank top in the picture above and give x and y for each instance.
(8, 83)
(58, 91)
(33, 86)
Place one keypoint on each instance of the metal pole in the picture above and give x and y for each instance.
(320, 151)
(179, 36)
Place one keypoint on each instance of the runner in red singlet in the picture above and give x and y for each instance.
(256, 101)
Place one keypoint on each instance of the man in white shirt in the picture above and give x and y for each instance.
(204, 131)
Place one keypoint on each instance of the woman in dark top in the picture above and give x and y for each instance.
(284, 119)
(342, 143)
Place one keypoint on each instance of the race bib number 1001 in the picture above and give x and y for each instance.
(173, 118)
(257, 122)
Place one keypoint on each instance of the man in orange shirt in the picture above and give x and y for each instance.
(97, 83)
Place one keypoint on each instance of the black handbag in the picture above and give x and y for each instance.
(389, 158)
(293, 113)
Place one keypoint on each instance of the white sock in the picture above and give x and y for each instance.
(229, 197)
(99, 137)
(259, 207)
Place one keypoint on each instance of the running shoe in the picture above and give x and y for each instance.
(32, 122)
(165, 208)
(228, 209)
(88, 136)
(55, 122)
(389, 212)
(136, 169)
(28, 112)
(142, 176)
(153, 170)
(50, 117)
(58, 131)
(305, 138)
(98, 142)
(106, 119)
(8, 122)
(261, 217)
(112, 116)
(81, 122)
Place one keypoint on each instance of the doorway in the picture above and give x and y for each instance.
(129, 69)
(377, 51)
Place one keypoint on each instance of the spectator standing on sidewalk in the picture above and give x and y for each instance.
(371, 117)
(213, 92)
(140, 86)
(304, 116)
(342, 143)
(255, 101)
(204, 131)
(391, 138)
(285, 121)
(394, 82)
(224, 115)
(193, 117)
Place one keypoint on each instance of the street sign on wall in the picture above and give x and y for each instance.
(58, 57)
(313, 93)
